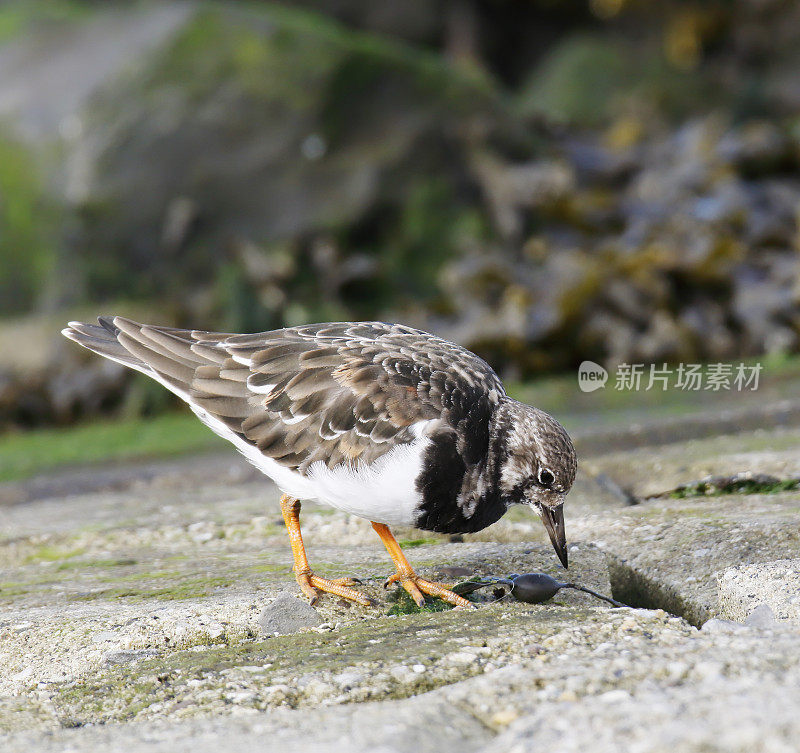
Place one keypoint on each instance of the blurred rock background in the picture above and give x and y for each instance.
(544, 182)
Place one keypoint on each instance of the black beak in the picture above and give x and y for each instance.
(553, 519)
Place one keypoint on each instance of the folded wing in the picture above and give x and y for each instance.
(341, 392)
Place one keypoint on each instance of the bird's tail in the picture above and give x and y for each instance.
(162, 353)
(103, 339)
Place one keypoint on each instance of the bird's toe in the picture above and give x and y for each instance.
(444, 593)
(313, 586)
(417, 588)
(393, 578)
(413, 591)
(347, 581)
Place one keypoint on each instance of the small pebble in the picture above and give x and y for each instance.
(504, 718)
(761, 617)
(288, 614)
(123, 657)
(104, 636)
(717, 626)
(461, 657)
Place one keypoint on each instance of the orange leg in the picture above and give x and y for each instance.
(310, 584)
(408, 579)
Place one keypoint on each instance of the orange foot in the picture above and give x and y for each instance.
(417, 586)
(409, 580)
(312, 585)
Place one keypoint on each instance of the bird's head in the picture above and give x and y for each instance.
(537, 465)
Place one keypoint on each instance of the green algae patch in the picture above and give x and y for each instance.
(13, 588)
(182, 588)
(65, 558)
(93, 563)
(305, 668)
(49, 553)
(411, 543)
(715, 487)
(404, 604)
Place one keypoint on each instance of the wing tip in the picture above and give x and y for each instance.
(121, 321)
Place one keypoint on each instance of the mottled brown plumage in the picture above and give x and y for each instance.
(334, 392)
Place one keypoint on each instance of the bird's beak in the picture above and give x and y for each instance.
(553, 519)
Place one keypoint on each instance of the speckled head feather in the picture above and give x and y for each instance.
(537, 462)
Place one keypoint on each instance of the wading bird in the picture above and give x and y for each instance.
(382, 421)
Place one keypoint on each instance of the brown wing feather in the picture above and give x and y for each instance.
(333, 392)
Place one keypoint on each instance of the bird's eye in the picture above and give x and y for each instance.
(546, 477)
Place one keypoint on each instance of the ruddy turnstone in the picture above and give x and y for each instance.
(382, 421)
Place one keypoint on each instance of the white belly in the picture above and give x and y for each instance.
(383, 491)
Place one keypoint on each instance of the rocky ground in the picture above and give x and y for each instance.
(157, 611)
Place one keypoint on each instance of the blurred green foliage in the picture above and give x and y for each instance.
(18, 15)
(283, 76)
(578, 81)
(27, 228)
(588, 79)
(431, 227)
(23, 455)
(545, 182)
